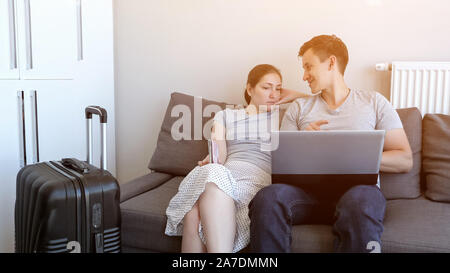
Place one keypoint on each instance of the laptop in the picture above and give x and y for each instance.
(335, 159)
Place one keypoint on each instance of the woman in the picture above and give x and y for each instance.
(210, 209)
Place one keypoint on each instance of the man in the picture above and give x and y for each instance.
(357, 215)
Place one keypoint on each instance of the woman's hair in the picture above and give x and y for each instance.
(255, 75)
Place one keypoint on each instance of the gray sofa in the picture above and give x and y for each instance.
(417, 216)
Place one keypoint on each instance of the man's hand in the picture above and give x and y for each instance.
(204, 161)
(315, 126)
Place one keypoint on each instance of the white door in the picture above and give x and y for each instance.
(9, 69)
(9, 161)
(51, 50)
(47, 34)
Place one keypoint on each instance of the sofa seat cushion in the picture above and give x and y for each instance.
(142, 184)
(312, 239)
(410, 225)
(416, 225)
(144, 219)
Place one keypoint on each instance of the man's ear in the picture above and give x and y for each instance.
(333, 63)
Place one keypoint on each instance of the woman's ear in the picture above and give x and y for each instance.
(249, 90)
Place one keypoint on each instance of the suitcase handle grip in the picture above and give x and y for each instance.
(96, 110)
(75, 164)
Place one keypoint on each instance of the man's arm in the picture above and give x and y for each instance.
(397, 155)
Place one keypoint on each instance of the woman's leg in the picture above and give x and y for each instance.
(218, 216)
(191, 242)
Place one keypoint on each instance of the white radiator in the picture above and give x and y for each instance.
(425, 85)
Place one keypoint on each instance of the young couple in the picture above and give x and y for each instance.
(222, 207)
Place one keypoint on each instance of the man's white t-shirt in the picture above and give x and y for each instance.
(361, 110)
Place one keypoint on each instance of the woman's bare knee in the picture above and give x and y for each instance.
(210, 186)
(212, 189)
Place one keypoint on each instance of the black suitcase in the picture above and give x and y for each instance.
(69, 205)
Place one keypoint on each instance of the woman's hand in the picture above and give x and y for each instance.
(204, 161)
(287, 95)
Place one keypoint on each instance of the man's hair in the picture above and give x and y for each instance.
(326, 45)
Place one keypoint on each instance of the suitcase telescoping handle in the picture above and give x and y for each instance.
(101, 112)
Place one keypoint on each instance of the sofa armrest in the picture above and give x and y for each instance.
(142, 184)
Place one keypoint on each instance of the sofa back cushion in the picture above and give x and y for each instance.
(406, 185)
(436, 156)
(181, 142)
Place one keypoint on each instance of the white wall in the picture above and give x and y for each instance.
(207, 47)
